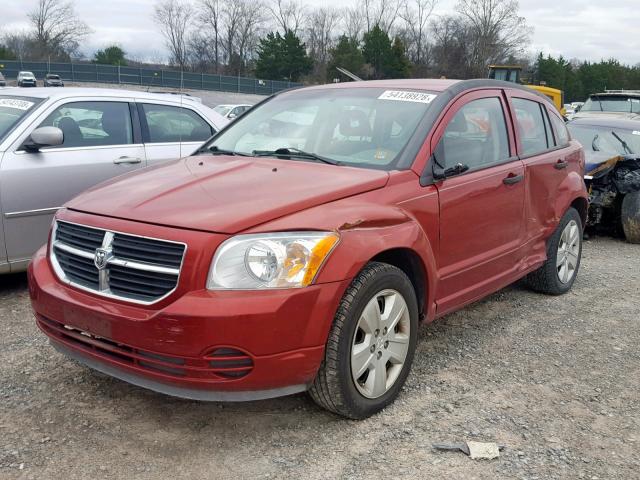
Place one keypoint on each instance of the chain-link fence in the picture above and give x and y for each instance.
(90, 72)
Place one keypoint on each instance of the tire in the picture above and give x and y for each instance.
(380, 288)
(554, 277)
(630, 217)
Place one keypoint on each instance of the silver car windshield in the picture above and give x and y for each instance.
(364, 127)
(13, 110)
(615, 141)
(612, 103)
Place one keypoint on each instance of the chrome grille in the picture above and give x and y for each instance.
(113, 264)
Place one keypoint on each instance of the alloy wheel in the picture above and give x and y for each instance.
(568, 252)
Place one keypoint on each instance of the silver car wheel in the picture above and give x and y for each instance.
(380, 343)
(568, 252)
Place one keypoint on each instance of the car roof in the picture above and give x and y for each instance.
(624, 121)
(432, 84)
(71, 92)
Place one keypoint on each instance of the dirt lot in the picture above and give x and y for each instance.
(554, 379)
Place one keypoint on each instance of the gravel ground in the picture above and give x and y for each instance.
(555, 379)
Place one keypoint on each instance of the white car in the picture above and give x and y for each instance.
(232, 111)
(26, 79)
(56, 143)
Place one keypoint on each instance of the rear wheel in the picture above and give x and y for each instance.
(371, 344)
(630, 217)
(564, 252)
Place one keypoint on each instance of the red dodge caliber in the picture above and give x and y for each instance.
(301, 246)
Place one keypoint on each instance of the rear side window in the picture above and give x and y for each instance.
(169, 124)
(562, 135)
(92, 124)
(476, 136)
(531, 126)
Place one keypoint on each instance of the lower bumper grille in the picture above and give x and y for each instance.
(222, 364)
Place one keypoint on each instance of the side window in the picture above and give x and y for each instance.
(562, 135)
(476, 136)
(90, 124)
(169, 124)
(531, 126)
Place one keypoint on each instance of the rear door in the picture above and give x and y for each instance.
(545, 163)
(481, 209)
(100, 142)
(171, 131)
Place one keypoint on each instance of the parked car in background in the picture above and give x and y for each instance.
(612, 149)
(56, 143)
(611, 102)
(3, 81)
(301, 246)
(52, 80)
(26, 79)
(232, 111)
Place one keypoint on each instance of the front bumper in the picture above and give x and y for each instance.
(272, 342)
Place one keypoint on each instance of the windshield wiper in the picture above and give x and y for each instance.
(624, 144)
(294, 152)
(215, 150)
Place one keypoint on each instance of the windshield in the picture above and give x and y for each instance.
(363, 127)
(611, 103)
(222, 109)
(53, 77)
(12, 110)
(615, 141)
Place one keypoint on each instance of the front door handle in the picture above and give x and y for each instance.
(512, 179)
(126, 159)
(560, 164)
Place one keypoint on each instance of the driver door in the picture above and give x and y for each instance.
(100, 142)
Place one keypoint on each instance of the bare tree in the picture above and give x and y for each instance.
(288, 14)
(242, 20)
(450, 36)
(415, 14)
(210, 15)
(174, 18)
(321, 27)
(499, 32)
(57, 29)
(354, 22)
(383, 13)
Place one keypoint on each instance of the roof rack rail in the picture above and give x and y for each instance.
(622, 91)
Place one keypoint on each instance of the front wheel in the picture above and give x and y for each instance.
(371, 344)
(630, 217)
(564, 252)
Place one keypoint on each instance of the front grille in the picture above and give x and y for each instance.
(223, 364)
(129, 267)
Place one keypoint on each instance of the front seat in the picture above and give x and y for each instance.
(72, 136)
(115, 126)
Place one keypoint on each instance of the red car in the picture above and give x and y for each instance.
(301, 247)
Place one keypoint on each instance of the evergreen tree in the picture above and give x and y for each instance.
(112, 55)
(6, 53)
(346, 54)
(399, 65)
(377, 51)
(282, 57)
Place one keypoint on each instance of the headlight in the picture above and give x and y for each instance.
(271, 260)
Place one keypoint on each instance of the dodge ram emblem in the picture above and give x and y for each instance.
(101, 258)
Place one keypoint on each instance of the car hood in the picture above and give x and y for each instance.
(224, 194)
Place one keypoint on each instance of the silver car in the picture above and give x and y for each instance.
(55, 144)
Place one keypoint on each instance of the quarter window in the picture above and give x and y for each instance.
(91, 124)
(476, 136)
(562, 135)
(169, 124)
(531, 126)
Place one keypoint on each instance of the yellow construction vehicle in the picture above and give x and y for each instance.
(511, 73)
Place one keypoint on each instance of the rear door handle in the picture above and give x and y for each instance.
(126, 159)
(512, 179)
(560, 164)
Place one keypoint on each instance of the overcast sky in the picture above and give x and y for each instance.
(583, 29)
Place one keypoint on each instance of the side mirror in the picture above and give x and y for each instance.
(44, 137)
(231, 116)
